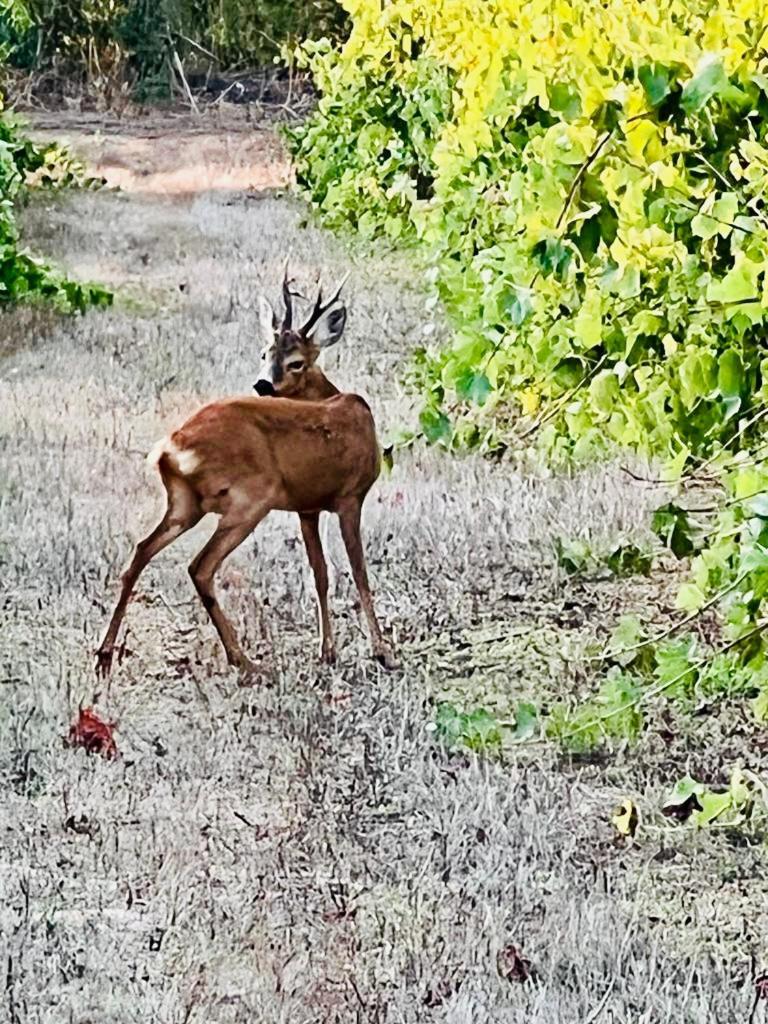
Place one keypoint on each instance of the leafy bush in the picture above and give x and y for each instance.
(585, 182)
(24, 277)
(585, 187)
(579, 557)
(128, 42)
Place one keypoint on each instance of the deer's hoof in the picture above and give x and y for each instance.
(104, 661)
(386, 658)
(249, 674)
(328, 655)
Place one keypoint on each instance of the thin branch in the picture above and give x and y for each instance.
(580, 174)
(734, 437)
(661, 687)
(184, 82)
(725, 303)
(579, 177)
(197, 46)
(655, 481)
(729, 503)
(676, 626)
(553, 410)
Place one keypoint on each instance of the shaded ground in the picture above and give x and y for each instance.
(306, 852)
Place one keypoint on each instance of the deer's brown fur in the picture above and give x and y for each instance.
(240, 458)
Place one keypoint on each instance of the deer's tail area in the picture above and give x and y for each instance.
(170, 459)
(158, 453)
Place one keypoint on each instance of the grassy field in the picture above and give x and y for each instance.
(306, 851)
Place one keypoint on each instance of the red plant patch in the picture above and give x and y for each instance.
(91, 732)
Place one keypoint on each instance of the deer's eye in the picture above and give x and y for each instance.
(295, 365)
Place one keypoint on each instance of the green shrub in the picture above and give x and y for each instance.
(130, 41)
(24, 277)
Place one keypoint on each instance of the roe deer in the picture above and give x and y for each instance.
(301, 446)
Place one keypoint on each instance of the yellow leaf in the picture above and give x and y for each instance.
(625, 819)
(530, 401)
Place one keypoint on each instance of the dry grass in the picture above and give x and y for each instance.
(305, 852)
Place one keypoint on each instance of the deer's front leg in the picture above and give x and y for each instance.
(310, 531)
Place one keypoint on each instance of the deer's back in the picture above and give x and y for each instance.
(306, 455)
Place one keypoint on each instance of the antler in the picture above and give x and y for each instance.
(320, 307)
(288, 300)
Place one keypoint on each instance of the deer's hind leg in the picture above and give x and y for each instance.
(349, 512)
(182, 513)
(234, 526)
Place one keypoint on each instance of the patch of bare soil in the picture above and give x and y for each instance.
(176, 154)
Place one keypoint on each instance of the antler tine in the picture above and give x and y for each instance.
(317, 309)
(287, 299)
(337, 293)
(321, 307)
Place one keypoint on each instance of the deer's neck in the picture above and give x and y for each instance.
(316, 386)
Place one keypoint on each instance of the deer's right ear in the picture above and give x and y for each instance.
(330, 327)
(267, 320)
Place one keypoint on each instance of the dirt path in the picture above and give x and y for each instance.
(304, 852)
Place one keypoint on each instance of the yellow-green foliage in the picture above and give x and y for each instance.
(586, 186)
(586, 182)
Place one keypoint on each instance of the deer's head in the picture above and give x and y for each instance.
(288, 352)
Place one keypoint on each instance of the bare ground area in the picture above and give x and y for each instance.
(306, 851)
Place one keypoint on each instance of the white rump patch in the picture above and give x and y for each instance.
(186, 460)
(157, 450)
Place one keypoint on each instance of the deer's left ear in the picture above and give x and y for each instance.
(267, 320)
(330, 327)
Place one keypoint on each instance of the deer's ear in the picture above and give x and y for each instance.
(330, 327)
(267, 321)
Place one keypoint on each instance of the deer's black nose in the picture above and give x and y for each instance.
(264, 388)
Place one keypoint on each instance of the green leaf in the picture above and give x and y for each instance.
(654, 79)
(760, 706)
(627, 633)
(738, 286)
(473, 386)
(568, 373)
(673, 526)
(436, 425)
(589, 237)
(552, 257)
(517, 304)
(758, 505)
(526, 722)
(675, 670)
(565, 99)
(604, 391)
(724, 213)
(684, 799)
(449, 724)
(481, 730)
(730, 374)
(588, 322)
(712, 806)
(710, 81)
(690, 598)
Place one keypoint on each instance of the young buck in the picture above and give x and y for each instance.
(301, 446)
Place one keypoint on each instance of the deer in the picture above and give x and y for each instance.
(299, 445)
